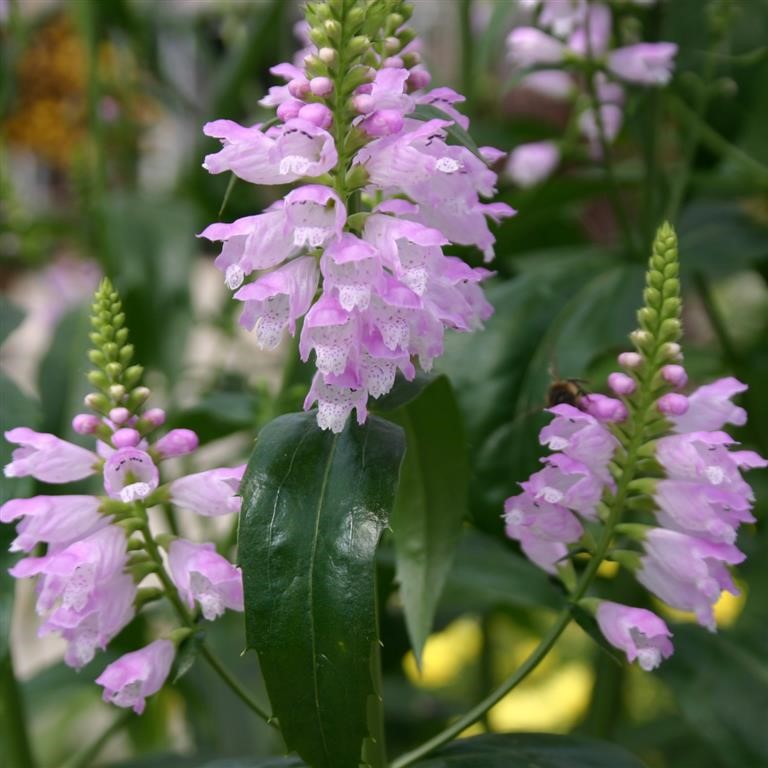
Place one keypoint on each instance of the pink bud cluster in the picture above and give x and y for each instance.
(699, 502)
(377, 293)
(86, 585)
(568, 36)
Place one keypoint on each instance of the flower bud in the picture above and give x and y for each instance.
(155, 417)
(97, 401)
(289, 109)
(622, 384)
(317, 114)
(630, 360)
(672, 404)
(418, 79)
(604, 408)
(85, 423)
(119, 415)
(674, 375)
(327, 55)
(672, 351)
(176, 443)
(126, 438)
(321, 86)
(298, 87)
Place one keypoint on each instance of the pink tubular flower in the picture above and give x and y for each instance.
(553, 83)
(699, 509)
(212, 493)
(73, 573)
(530, 164)
(581, 437)
(130, 474)
(599, 25)
(280, 155)
(128, 681)
(47, 458)
(108, 610)
(53, 520)
(177, 442)
(563, 16)
(203, 575)
(278, 299)
(612, 117)
(710, 407)
(641, 634)
(528, 46)
(567, 482)
(688, 573)
(335, 403)
(543, 529)
(644, 63)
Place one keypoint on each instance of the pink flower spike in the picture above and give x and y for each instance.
(203, 575)
(630, 360)
(85, 423)
(178, 442)
(530, 164)
(672, 404)
(677, 377)
(126, 438)
(622, 384)
(641, 634)
(710, 407)
(528, 46)
(130, 475)
(604, 408)
(45, 457)
(644, 63)
(53, 520)
(128, 681)
(212, 493)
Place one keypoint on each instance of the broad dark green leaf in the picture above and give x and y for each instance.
(530, 750)
(314, 506)
(431, 503)
(456, 132)
(722, 691)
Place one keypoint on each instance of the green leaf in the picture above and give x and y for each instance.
(314, 506)
(722, 691)
(530, 750)
(456, 132)
(10, 318)
(431, 503)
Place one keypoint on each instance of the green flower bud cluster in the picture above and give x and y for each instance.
(349, 34)
(116, 380)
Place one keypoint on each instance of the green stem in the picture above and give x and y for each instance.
(340, 125)
(187, 619)
(86, 757)
(474, 714)
(14, 726)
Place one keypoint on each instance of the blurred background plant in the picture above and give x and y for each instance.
(102, 104)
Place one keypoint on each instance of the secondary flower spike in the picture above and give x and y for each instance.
(355, 251)
(99, 548)
(653, 474)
